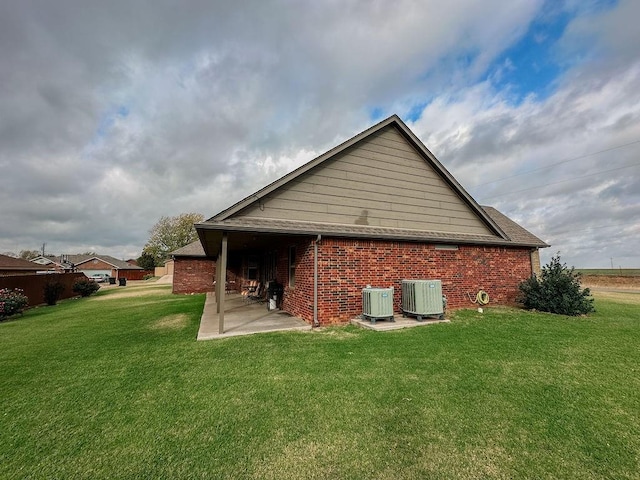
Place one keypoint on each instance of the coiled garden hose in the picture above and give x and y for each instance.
(482, 298)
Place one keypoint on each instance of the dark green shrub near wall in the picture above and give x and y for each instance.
(52, 291)
(85, 287)
(556, 290)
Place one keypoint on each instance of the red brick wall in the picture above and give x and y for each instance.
(345, 266)
(94, 264)
(193, 275)
(299, 299)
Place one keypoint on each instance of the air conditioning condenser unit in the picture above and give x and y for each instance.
(422, 298)
(377, 304)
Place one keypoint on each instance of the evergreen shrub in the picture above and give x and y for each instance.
(52, 291)
(556, 290)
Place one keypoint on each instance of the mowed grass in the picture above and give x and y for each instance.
(115, 386)
(610, 272)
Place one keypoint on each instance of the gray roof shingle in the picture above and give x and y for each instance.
(194, 249)
(19, 264)
(78, 260)
(515, 232)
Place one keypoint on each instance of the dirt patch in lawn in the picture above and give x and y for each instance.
(609, 281)
(134, 292)
(170, 322)
(337, 333)
(629, 297)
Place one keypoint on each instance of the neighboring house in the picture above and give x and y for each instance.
(18, 266)
(92, 264)
(193, 272)
(49, 261)
(375, 210)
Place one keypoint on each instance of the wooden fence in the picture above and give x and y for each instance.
(33, 285)
(166, 269)
(134, 274)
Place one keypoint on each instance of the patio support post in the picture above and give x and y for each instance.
(217, 283)
(223, 282)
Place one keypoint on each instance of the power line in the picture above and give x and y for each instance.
(564, 232)
(560, 181)
(556, 164)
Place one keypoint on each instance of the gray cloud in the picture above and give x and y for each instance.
(116, 113)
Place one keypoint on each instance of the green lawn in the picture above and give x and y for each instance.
(117, 387)
(610, 272)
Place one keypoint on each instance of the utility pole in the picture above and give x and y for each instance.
(43, 245)
(611, 263)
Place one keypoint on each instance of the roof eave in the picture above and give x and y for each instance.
(202, 228)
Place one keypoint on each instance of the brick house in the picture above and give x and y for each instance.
(375, 210)
(193, 271)
(92, 264)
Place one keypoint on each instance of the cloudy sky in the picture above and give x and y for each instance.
(115, 113)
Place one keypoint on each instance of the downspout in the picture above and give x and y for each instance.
(315, 280)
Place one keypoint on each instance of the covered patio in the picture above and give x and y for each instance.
(242, 317)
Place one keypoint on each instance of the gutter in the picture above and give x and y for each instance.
(315, 280)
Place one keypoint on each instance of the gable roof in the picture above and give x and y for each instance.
(19, 264)
(475, 223)
(44, 260)
(114, 262)
(77, 260)
(409, 136)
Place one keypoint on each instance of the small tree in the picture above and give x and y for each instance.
(557, 290)
(146, 261)
(52, 291)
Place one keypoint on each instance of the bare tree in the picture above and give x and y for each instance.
(29, 254)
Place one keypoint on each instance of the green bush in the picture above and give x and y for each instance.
(556, 290)
(148, 276)
(85, 287)
(52, 291)
(12, 302)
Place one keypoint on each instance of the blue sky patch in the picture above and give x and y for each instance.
(531, 66)
(108, 119)
(376, 113)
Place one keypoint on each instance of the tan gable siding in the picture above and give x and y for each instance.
(381, 181)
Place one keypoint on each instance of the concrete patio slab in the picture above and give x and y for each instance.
(398, 323)
(242, 318)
